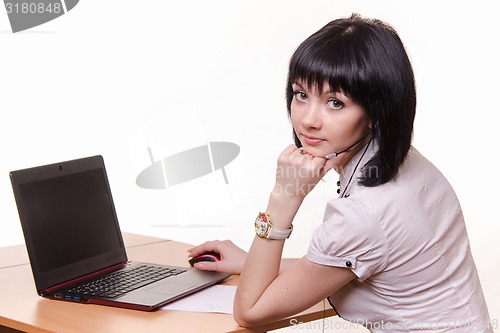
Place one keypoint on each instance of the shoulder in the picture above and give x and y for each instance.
(353, 219)
(350, 236)
(417, 165)
(421, 180)
(417, 176)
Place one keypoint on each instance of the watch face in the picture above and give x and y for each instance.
(261, 225)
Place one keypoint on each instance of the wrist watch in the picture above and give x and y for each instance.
(265, 229)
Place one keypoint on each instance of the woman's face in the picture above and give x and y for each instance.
(327, 122)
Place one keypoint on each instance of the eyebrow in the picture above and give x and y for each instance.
(330, 91)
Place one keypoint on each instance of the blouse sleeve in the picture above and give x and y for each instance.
(349, 237)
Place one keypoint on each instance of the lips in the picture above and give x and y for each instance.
(311, 140)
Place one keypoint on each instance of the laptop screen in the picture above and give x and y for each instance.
(68, 219)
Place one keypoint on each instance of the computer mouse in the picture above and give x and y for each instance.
(207, 256)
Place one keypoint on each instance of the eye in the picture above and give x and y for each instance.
(300, 95)
(335, 104)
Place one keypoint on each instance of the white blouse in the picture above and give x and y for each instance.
(407, 243)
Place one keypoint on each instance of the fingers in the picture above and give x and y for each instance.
(292, 150)
(208, 266)
(224, 248)
(205, 247)
(232, 258)
(319, 162)
(315, 164)
(298, 171)
(330, 164)
(211, 246)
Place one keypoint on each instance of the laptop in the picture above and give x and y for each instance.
(75, 245)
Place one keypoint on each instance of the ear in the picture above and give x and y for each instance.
(373, 125)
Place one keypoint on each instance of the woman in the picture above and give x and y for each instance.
(392, 252)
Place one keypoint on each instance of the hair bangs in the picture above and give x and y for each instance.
(329, 59)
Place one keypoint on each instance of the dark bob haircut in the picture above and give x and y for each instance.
(366, 60)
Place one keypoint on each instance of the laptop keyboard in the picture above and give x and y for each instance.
(123, 281)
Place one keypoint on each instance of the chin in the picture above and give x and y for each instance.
(314, 152)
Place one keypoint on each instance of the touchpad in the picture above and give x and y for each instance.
(171, 288)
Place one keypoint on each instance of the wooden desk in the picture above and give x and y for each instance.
(21, 309)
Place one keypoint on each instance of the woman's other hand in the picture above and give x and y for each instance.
(298, 172)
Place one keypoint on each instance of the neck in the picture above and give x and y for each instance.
(346, 157)
(350, 172)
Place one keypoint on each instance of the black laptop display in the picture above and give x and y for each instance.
(75, 245)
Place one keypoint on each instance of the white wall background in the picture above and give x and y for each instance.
(114, 77)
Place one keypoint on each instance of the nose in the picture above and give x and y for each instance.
(312, 116)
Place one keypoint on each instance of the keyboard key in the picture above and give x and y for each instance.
(123, 281)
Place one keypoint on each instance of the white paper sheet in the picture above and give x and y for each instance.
(212, 299)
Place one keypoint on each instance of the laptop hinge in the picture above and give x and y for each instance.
(85, 277)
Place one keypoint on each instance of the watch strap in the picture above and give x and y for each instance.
(276, 233)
